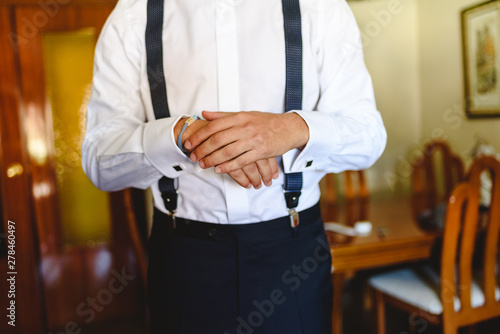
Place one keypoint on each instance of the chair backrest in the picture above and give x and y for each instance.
(426, 177)
(350, 198)
(460, 241)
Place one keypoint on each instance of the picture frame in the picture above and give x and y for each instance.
(481, 59)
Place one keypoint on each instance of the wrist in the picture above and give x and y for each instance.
(180, 139)
(178, 128)
(300, 130)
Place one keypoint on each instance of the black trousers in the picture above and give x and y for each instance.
(264, 278)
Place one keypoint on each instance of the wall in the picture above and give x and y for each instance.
(442, 78)
(415, 58)
(390, 38)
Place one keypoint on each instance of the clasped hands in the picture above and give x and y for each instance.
(243, 145)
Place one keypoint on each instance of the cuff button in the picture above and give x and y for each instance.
(177, 168)
(309, 163)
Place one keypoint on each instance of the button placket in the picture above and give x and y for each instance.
(238, 208)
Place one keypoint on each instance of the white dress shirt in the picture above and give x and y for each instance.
(228, 55)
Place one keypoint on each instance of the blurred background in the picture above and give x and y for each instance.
(79, 252)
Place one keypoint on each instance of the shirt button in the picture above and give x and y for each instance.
(211, 232)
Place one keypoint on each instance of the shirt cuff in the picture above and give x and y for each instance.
(161, 149)
(321, 142)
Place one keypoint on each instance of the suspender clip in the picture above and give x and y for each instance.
(173, 225)
(294, 218)
(170, 201)
(292, 199)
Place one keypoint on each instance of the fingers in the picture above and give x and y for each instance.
(265, 171)
(212, 115)
(247, 177)
(239, 162)
(252, 175)
(219, 148)
(268, 169)
(240, 177)
(240, 128)
(274, 168)
(228, 137)
(197, 125)
(232, 135)
(217, 125)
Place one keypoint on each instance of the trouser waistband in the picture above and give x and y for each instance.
(237, 232)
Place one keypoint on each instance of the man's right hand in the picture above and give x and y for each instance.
(254, 174)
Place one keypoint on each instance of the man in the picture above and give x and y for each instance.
(232, 256)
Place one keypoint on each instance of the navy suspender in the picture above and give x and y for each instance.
(154, 55)
(293, 93)
(157, 86)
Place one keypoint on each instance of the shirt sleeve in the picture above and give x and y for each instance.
(121, 148)
(346, 131)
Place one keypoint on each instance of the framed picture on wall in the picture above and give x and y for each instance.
(481, 57)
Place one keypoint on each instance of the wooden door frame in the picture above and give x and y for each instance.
(16, 196)
(31, 22)
(19, 204)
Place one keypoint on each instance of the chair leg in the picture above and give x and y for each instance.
(380, 312)
(449, 328)
(472, 329)
(338, 280)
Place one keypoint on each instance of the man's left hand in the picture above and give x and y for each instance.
(231, 141)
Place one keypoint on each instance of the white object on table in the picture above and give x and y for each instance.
(361, 228)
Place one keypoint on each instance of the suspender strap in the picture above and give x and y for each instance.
(293, 49)
(293, 189)
(154, 56)
(293, 91)
(157, 86)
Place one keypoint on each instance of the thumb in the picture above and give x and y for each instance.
(213, 115)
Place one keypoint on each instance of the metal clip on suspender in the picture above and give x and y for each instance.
(292, 191)
(293, 93)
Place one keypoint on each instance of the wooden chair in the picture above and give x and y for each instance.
(459, 296)
(350, 197)
(434, 176)
(138, 245)
(344, 199)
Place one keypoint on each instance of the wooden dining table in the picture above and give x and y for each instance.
(395, 238)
